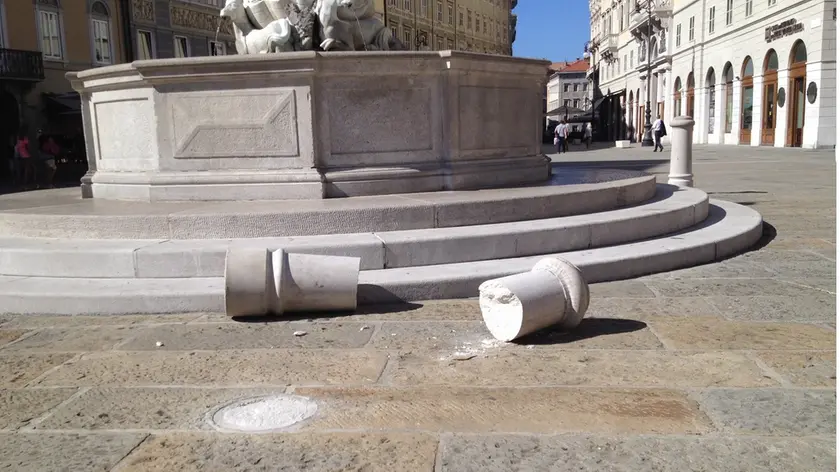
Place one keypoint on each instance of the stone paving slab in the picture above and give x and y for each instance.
(220, 368)
(18, 369)
(284, 452)
(18, 407)
(65, 452)
(813, 308)
(506, 453)
(771, 412)
(803, 368)
(253, 335)
(98, 338)
(594, 368)
(711, 332)
(535, 410)
(173, 408)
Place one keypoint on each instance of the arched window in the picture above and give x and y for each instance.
(654, 50)
(771, 62)
(710, 87)
(748, 68)
(100, 24)
(677, 97)
(799, 53)
(728, 78)
(689, 94)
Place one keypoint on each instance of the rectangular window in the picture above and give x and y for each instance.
(748, 8)
(679, 34)
(145, 47)
(439, 13)
(450, 16)
(575, 87)
(101, 41)
(691, 29)
(469, 20)
(485, 27)
(729, 11)
(625, 63)
(576, 103)
(217, 48)
(567, 103)
(407, 38)
(770, 3)
(712, 20)
(424, 7)
(584, 87)
(182, 46)
(460, 18)
(50, 34)
(407, 5)
(631, 59)
(394, 32)
(565, 87)
(621, 18)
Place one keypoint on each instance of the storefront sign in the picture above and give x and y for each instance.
(785, 28)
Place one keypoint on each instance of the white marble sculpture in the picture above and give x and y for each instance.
(267, 26)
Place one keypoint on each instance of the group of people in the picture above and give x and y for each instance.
(32, 165)
(561, 135)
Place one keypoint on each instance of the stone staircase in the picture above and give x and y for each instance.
(60, 254)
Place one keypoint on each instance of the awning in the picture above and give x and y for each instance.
(66, 103)
(565, 111)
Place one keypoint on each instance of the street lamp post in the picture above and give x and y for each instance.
(647, 140)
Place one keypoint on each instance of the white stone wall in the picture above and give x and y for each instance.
(731, 44)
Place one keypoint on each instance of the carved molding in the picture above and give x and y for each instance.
(199, 20)
(143, 10)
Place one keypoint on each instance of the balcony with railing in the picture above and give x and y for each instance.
(16, 64)
(650, 14)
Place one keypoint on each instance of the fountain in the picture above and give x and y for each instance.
(323, 137)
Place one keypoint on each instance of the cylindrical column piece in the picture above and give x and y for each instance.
(552, 293)
(682, 128)
(262, 282)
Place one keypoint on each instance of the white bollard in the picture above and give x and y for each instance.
(263, 282)
(554, 292)
(682, 128)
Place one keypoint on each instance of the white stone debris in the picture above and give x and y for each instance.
(299, 333)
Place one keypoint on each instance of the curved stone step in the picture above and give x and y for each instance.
(729, 229)
(62, 213)
(670, 210)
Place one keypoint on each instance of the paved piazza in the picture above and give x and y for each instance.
(724, 367)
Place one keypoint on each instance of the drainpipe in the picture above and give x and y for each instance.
(125, 17)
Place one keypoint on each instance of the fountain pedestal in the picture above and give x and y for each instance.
(311, 125)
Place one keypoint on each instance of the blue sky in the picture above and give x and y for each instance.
(551, 29)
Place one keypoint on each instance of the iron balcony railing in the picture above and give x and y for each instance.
(16, 64)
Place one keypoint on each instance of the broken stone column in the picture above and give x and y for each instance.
(681, 129)
(265, 282)
(554, 292)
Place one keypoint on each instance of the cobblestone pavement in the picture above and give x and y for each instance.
(723, 367)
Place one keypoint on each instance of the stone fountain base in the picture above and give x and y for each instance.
(311, 125)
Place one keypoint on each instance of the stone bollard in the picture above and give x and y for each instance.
(265, 282)
(681, 131)
(554, 292)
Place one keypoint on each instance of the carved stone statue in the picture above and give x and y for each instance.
(267, 26)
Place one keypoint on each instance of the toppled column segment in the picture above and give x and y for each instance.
(554, 292)
(259, 281)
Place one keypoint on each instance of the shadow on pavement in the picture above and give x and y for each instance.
(314, 316)
(589, 328)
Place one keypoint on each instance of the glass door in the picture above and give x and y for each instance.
(746, 113)
(768, 121)
(798, 108)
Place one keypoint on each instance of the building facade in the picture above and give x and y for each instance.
(749, 72)
(178, 28)
(486, 26)
(568, 88)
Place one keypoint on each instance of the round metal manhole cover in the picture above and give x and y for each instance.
(264, 414)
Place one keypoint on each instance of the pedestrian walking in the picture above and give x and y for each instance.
(561, 137)
(658, 132)
(587, 134)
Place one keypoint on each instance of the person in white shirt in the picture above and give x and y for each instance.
(561, 135)
(658, 130)
(587, 134)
